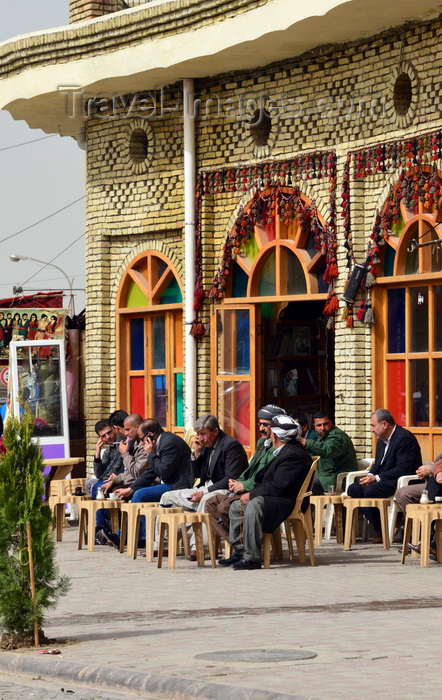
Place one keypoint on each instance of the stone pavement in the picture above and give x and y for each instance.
(372, 624)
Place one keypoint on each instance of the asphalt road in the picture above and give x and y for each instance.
(21, 688)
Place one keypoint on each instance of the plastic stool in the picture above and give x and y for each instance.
(171, 522)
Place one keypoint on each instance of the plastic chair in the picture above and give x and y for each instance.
(300, 522)
(272, 540)
(87, 516)
(418, 519)
(129, 514)
(333, 508)
(352, 504)
(392, 508)
(61, 492)
(150, 511)
(188, 437)
(171, 522)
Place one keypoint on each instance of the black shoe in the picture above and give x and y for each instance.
(101, 539)
(246, 565)
(231, 560)
(141, 544)
(111, 536)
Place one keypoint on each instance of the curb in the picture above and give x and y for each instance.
(113, 678)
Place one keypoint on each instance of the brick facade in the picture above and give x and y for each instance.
(337, 96)
(129, 211)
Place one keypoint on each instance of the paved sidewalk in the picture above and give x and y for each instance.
(373, 625)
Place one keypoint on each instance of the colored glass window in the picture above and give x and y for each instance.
(437, 318)
(234, 341)
(296, 283)
(159, 342)
(438, 385)
(137, 395)
(396, 390)
(160, 398)
(135, 297)
(390, 256)
(267, 281)
(179, 399)
(234, 398)
(172, 294)
(250, 248)
(419, 387)
(137, 343)
(419, 316)
(239, 281)
(396, 320)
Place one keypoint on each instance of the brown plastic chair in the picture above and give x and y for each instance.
(418, 519)
(352, 504)
(150, 511)
(87, 517)
(300, 522)
(172, 522)
(61, 492)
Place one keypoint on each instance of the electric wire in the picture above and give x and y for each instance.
(25, 143)
(42, 220)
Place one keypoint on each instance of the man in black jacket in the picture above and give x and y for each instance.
(217, 458)
(168, 467)
(397, 454)
(272, 500)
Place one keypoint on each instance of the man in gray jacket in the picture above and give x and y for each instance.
(133, 455)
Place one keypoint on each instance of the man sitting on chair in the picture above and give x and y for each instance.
(271, 501)
(397, 454)
(335, 449)
(218, 506)
(217, 458)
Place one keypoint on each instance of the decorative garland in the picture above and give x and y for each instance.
(423, 184)
(274, 175)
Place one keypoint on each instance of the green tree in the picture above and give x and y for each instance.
(21, 493)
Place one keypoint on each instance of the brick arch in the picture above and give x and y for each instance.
(154, 245)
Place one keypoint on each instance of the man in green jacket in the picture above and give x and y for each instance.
(335, 449)
(219, 505)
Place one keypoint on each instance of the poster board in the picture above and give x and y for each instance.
(37, 370)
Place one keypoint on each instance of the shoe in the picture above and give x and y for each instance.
(192, 555)
(377, 539)
(155, 553)
(141, 544)
(246, 565)
(112, 537)
(101, 539)
(414, 548)
(230, 561)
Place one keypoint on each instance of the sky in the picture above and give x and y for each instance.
(38, 179)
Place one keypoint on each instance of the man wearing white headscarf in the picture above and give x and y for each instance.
(271, 501)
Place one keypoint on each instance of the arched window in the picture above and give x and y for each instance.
(150, 342)
(408, 330)
(277, 271)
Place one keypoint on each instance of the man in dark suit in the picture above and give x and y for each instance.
(217, 458)
(397, 454)
(271, 501)
(168, 467)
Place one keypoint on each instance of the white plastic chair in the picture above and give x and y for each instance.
(392, 508)
(364, 465)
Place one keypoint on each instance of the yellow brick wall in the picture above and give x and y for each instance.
(131, 208)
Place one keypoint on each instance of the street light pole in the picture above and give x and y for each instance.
(70, 281)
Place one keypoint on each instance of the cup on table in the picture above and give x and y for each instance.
(113, 496)
(331, 489)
